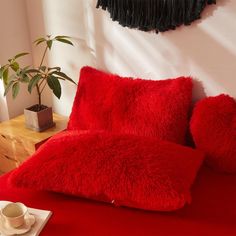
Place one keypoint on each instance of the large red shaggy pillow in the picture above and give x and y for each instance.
(132, 106)
(213, 127)
(127, 170)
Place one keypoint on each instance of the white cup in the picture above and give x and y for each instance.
(14, 214)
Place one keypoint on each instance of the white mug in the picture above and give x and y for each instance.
(14, 214)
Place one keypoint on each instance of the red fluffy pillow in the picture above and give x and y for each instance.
(213, 126)
(132, 106)
(126, 170)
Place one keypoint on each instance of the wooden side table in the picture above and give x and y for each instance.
(17, 143)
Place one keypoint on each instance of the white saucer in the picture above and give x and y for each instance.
(7, 230)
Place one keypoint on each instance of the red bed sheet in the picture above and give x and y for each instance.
(212, 212)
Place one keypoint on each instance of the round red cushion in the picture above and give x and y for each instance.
(213, 126)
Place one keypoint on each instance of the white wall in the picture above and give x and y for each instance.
(205, 50)
(14, 39)
(58, 17)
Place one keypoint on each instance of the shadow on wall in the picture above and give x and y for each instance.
(68, 18)
(205, 50)
(101, 45)
(36, 22)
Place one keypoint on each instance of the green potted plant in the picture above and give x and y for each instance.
(37, 117)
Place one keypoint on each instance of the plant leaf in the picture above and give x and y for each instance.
(49, 44)
(61, 78)
(71, 80)
(33, 82)
(39, 40)
(54, 68)
(32, 71)
(15, 89)
(24, 78)
(59, 73)
(43, 68)
(15, 66)
(54, 85)
(20, 55)
(63, 75)
(62, 37)
(5, 76)
(65, 41)
(8, 86)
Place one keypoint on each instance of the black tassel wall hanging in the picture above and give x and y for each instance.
(158, 15)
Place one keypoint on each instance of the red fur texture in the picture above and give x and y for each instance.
(127, 170)
(213, 127)
(132, 106)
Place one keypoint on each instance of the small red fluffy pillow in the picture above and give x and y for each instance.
(132, 106)
(213, 127)
(124, 170)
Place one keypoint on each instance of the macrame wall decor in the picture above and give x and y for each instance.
(158, 15)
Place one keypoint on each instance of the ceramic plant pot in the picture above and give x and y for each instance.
(38, 120)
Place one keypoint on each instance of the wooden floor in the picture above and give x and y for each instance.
(1, 173)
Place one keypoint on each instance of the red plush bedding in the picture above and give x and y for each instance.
(212, 212)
